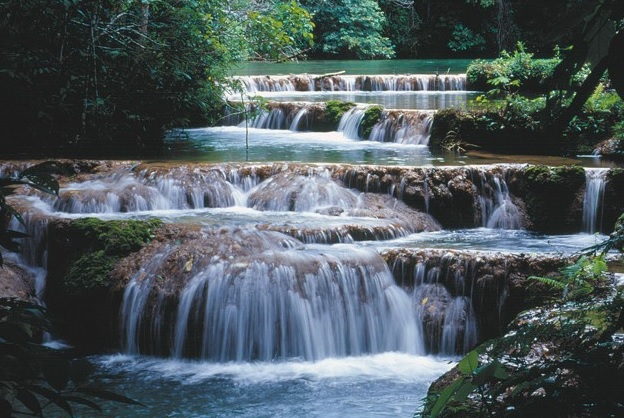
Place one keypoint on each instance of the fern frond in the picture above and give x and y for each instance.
(555, 284)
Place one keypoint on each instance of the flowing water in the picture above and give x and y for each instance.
(289, 308)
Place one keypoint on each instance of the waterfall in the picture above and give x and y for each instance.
(350, 122)
(297, 120)
(273, 303)
(403, 127)
(497, 208)
(255, 84)
(136, 300)
(383, 82)
(595, 182)
(449, 322)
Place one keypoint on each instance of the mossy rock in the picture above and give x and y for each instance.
(89, 274)
(116, 237)
(102, 244)
(558, 358)
(335, 109)
(372, 115)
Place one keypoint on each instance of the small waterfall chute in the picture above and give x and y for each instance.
(498, 209)
(350, 122)
(403, 127)
(593, 199)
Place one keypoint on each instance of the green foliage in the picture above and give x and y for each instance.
(519, 67)
(39, 177)
(473, 377)
(284, 31)
(334, 109)
(464, 39)
(351, 29)
(35, 379)
(105, 242)
(553, 358)
(114, 74)
(372, 115)
(578, 280)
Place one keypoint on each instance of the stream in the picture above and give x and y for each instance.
(295, 312)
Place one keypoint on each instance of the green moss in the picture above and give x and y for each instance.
(334, 109)
(570, 177)
(116, 237)
(90, 273)
(103, 244)
(372, 115)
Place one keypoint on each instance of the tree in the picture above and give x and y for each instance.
(111, 74)
(280, 32)
(350, 29)
(595, 40)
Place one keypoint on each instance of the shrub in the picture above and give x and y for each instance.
(532, 74)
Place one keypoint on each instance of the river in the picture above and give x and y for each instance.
(309, 371)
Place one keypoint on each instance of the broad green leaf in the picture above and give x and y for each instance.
(469, 363)
(446, 396)
(82, 401)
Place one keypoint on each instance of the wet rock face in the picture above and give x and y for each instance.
(80, 286)
(567, 358)
(16, 282)
(495, 284)
(613, 197)
(553, 197)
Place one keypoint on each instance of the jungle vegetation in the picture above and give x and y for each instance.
(110, 77)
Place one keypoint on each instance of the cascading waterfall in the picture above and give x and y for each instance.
(449, 321)
(497, 208)
(299, 120)
(350, 122)
(403, 127)
(595, 182)
(284, 296)
(274, 302)
(387, 82)
(294, 116)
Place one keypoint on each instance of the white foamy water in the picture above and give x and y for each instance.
(387, 384)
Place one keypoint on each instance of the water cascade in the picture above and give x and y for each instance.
(350, 122)
(403, 127)
(497, 207)
(595, 182)
(257, 295)
(455, 196)
(295, 116)
(398, 126)
(389, 82)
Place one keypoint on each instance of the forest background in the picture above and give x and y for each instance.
(116, 74)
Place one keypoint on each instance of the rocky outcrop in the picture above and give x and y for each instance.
(495, 284)
(563, 360)
(16, 282)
